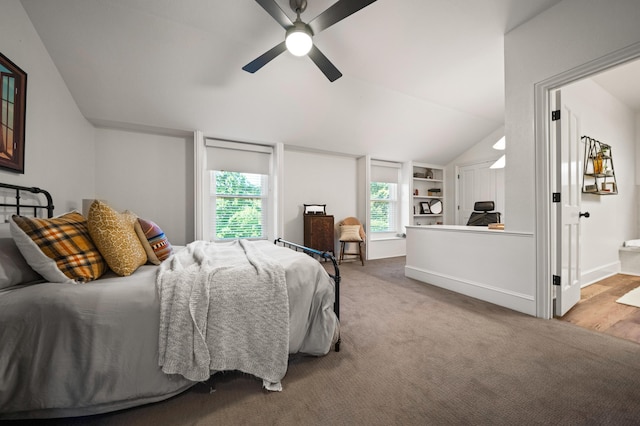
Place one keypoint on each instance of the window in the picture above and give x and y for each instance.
(238, 205)
(383, 197)
(383, 206)
(236, 198)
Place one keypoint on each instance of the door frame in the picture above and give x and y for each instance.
(546, 243)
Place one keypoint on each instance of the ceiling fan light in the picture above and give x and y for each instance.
(298, 40)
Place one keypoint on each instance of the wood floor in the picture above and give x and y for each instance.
(598, 309)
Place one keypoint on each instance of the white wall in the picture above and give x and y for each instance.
(149, 174)
(637, 169)
(476, 261)
(612, 217)
(480, 152)
(565, 36)
(637, 156)
(59, 142)
(317, 178)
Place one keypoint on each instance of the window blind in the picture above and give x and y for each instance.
(383, 196)
(238, 156)
(384, 171)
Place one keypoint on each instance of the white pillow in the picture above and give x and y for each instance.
(350, 233)
(14, 269)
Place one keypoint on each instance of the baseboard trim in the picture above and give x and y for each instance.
(596, 274)
(517, 301)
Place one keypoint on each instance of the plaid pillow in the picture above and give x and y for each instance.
(60, 249)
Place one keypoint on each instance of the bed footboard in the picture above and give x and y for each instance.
(335, 276)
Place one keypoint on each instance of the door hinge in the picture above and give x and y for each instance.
(555, 197)
(555, 115)
(556, 280)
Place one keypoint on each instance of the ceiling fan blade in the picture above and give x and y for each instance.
(276, 12)
(264, 59)
(324, 64)
(337, 12)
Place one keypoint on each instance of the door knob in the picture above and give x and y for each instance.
(585, 214)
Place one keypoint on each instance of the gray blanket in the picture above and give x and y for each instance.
(223, 306)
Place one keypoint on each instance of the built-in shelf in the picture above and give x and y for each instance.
(599, 176)
(428, 193)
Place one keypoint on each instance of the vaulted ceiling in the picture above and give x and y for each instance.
(422, 79)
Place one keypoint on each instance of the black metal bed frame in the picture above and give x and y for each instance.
(336, 274)
(49, 207)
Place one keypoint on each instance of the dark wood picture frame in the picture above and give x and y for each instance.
(425, 208)
(13, 107)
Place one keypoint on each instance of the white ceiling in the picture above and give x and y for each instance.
(623, 82)
(422, 79)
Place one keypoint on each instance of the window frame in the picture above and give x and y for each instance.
(16, 106)
(202, 185)
(393, 209)
(213, 202)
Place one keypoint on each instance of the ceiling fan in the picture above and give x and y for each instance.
(298, 38)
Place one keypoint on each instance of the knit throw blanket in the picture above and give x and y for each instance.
(223, 306)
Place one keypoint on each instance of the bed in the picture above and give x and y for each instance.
(69, 349)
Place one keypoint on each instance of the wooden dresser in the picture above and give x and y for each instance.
(319, 232)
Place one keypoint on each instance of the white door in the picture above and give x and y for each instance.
(478, 182)
(566, 147)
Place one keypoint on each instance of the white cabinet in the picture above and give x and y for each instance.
(427, 194)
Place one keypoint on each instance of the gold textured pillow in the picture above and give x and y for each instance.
(60, 249)
(115, 237)
(350, 233)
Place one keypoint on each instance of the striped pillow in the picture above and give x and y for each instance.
(154, 241)
(60, 249)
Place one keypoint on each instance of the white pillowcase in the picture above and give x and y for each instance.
(14, 269)
(350, 233)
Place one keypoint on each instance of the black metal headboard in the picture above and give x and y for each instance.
(35, 208)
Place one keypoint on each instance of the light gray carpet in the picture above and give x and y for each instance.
(414, 354)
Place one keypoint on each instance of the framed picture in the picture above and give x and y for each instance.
(424, 208)
(14, 98)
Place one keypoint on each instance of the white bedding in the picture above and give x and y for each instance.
(79, 349)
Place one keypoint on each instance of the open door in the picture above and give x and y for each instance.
(566, 147)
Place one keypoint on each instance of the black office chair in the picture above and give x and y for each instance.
(482, 214)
